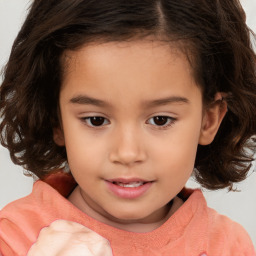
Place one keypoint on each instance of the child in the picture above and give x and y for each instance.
(113, 104)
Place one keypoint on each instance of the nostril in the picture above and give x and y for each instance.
(127, 156)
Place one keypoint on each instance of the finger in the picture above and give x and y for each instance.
(68, 226)
(102, 248)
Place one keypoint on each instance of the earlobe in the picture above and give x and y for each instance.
(212, 119)
(58, 137)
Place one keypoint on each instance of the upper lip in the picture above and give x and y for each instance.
(128, 180)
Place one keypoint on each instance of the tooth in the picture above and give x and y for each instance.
(130, 185)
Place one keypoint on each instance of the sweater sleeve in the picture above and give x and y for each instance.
(22, 220)
(13, 242)
(229, 238)
(241, 242)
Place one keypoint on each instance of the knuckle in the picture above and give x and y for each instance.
(57, 224)
(44, 231)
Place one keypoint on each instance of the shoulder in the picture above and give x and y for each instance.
(22, 220)
(228, 235)
(217, 234)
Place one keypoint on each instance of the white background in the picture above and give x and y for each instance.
(240, 206)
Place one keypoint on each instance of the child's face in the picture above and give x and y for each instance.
(132, 118)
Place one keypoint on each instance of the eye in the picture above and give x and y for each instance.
(95, 121)
(161, 121)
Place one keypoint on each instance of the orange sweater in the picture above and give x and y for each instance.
(194, 229)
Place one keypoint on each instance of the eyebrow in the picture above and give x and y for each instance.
(86, 100)
(166, 101)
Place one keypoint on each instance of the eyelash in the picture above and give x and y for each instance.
(89, 119)
(170, 121)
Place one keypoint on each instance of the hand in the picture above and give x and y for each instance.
(66, 238)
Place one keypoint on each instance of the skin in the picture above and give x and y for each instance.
(69, 238)
(133, 82)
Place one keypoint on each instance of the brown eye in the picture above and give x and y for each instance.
(161, 121)
(95, 121)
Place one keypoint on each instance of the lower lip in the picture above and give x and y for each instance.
(128, 193)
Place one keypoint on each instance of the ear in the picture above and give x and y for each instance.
(212, 118)
(58, 137)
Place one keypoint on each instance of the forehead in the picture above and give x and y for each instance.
(143, 49)
(138, 67)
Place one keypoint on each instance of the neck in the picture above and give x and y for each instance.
(153, 222)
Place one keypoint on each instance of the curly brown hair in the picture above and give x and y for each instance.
(213, 32)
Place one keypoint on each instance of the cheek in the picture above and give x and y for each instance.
(85, 153)
(178, 152)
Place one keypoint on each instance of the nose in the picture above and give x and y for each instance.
(127, 147)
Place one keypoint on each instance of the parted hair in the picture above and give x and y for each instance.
(212, 33)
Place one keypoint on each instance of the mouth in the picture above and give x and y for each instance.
(129, 185)
(129, 182)
(129, 188)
